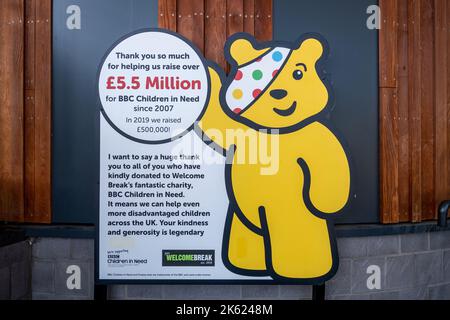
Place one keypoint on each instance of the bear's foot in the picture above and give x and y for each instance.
(244, 253)
(300, 245)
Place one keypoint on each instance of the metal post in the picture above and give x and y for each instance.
(318, 293)
(443, 213)
(100, 292)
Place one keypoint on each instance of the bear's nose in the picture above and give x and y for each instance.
(278, 94)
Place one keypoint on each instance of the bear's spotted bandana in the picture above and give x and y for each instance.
(252, 79)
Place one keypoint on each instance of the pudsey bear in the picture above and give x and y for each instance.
(279, 224)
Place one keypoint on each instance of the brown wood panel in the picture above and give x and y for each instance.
(215, 31)
(421, 73)
(207, 23)
(235, 19)
(389, 113)
(42, 105)
(29, 111)
(29, 154)
(401, 52)
(11, 110)
(249, 16)
(427, 109)
(263, 20)
(404, 165)
(190, 21)
(448, 100)
(389, 155)
(27, 64)
(388, 44)
(414, 84)
(167, 14)
(404, 157)
(235, 16)
(441, 107)
(30, 22)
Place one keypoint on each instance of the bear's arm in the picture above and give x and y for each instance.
(326, 171)
(215, 121)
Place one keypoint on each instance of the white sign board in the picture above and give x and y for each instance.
(207, 178)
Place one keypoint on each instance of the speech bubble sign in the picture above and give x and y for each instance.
(153, 86)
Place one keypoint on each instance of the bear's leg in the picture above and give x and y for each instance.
(299, 242)
(245, 249)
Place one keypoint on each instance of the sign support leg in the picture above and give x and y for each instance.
(318, 292)
(100, 292)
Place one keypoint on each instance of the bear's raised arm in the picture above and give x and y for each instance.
(215, 122)
(326, 171)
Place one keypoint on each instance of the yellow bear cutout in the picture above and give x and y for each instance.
(279, 223)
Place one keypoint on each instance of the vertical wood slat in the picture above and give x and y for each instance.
(404, 164)
(389, 155)
(215, 31)
(447, 27)
(427, 109)
(415, 98)
(29, 22)
(388, 44)
(167, 14)
(190, 21)
(235, 19)
(402, 40)
(11, 110)
(263, 20)
(29, 106)
(42, 110)
(404, 155)
(235, 16)
(249, 16)
(389, 113)
(29, 154)
(441, 108)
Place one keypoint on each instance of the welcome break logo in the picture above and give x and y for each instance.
(188, 258)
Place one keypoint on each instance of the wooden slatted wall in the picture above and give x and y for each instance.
(414, 96)
(25, 110)
(414, 109)
(208, 23)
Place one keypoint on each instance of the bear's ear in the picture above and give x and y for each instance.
(312, 48)
(241, 49)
